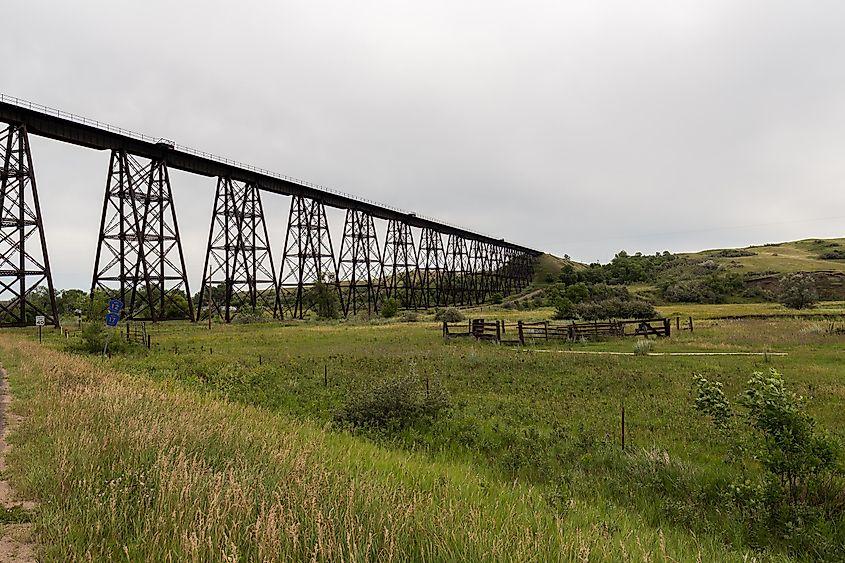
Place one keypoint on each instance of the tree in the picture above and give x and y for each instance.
(322, 297)
(798, 291)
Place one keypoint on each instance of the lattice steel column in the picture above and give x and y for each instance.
(139, 249)
(359, 264)
(22, 269)
(307, 257)
(400, 264)
(457, 270)
(430, 262)
(238, 257)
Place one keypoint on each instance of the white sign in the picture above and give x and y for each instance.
(39, 320)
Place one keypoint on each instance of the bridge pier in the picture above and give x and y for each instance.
(307, 257)
(400, 264)
(238, 256)
(430, 265)
(139, 249)
(23, 268)
(360, 269)
(455, 284)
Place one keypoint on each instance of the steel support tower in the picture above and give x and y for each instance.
(239, 271)
(23, 267)
(308, 256)
(431, 259)
(139, 253)
(400, 264)
(359, 264)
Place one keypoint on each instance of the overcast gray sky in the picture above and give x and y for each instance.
(578, 128)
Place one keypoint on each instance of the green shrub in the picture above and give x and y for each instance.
(615, 308)
(449, 315)
(833, 255)
(564, 309)
(799, 499)
(323, 299)
(395, 402)
(496, 298)
(643, 347)
(94, 335)
(390, 308)
(798, 291)
(410, 316)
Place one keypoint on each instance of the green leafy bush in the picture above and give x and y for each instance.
(615, 308)
(390, 308)
(799, 497)
(798, 291)
(394, 402)
(643, 347)
(449, 315)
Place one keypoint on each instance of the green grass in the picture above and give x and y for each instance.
(786, 257)
(541, 427)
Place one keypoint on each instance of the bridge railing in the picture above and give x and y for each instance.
(20, 102)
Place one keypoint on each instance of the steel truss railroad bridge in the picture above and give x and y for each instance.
(139, 254)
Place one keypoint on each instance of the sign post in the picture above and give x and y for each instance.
(112, 318)
(39, 322)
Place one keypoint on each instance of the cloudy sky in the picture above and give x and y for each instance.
(578, 128)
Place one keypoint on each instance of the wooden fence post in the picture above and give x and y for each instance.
(498, 332)
(546, 329)
(667, 325)
(678, 323)
(519, 330)
(690, 324)
(445, 329)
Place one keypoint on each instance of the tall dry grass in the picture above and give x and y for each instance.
(128, 469)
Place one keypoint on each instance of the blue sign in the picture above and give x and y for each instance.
(112, 319)
(115, 305)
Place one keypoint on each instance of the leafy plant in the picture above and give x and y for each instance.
(390, 308)
(798, 291)
(643, 347)
(394, 402)
(449, 315)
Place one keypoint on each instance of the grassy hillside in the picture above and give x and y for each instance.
(548, 264)
(797, 256)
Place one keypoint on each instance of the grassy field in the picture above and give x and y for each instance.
(219, 445)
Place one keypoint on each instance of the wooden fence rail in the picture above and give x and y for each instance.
(519, 332)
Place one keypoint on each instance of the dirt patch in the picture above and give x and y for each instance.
(16, 542)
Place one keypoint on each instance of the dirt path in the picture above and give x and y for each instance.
(16, 545)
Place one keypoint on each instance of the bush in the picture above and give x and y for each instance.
(615, 308)
(497, 297)
(409, 316)
(564, 309)
(323, 298)
(394, 403)
(798, 291)
(94, 337)
(449, 315)
(643, 347)
(800, 495)
(833, 255)
(390, 308)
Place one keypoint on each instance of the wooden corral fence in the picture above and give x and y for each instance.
(519, 332)
(138, 334)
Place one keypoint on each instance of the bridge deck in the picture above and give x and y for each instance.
(90, 134)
